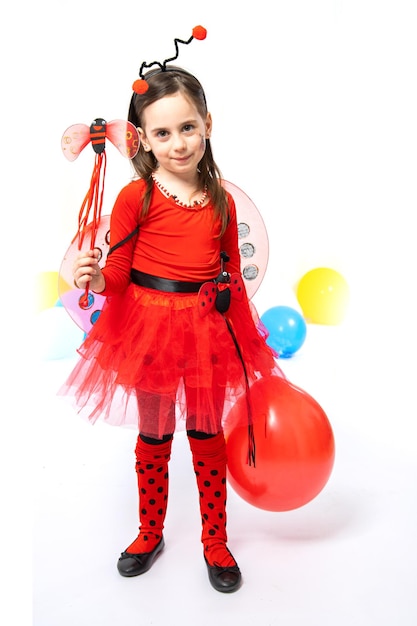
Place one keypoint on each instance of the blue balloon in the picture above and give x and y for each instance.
(56, 336)
(287, 330)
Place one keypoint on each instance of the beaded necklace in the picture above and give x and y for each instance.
(193, 205)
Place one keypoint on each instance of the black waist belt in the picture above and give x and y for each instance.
(163, 284)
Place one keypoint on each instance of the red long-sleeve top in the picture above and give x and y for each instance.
(173, 242)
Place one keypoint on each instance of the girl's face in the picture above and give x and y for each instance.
(175, 132)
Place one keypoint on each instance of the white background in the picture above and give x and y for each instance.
(314, 107)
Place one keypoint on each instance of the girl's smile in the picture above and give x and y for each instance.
(175, 132)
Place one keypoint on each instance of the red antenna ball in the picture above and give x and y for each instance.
(199, 32)
(140, 86)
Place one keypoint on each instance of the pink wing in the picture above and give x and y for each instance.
(253, 239)
(124, 136)
(74, 140)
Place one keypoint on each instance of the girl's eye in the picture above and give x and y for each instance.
(162, 133)
(188, 128)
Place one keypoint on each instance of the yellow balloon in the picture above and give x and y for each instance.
(323, 295)
(46, 290)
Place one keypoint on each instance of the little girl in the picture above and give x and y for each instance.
(177, 332)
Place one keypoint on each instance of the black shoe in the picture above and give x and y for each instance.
(135, 564)
(225, 579)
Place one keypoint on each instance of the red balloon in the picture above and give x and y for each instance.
(295, 447)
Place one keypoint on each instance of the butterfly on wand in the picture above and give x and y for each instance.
(122, 134)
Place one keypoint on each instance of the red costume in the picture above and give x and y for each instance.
(152, 350)
(168, 345)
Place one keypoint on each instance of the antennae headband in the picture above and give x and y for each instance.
(140, 86)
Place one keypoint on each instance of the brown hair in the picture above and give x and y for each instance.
(165, 83)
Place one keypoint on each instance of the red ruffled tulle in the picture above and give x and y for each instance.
(150, 361)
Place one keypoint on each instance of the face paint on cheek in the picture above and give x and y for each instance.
(203, 142)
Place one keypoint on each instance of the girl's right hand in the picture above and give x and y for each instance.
(87, 272)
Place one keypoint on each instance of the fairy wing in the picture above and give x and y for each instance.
(253, 239)
(124, 137)
(74, 140)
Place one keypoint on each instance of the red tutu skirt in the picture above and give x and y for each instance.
(152, 362)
